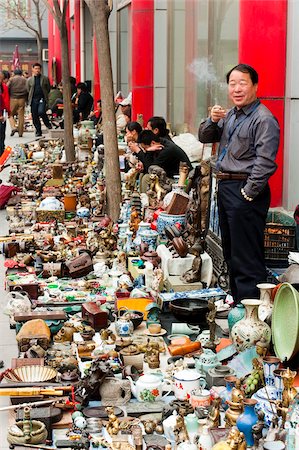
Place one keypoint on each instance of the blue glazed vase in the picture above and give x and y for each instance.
(247, 419)
(235, 315)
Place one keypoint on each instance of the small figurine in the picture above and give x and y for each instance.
(214, 419)
(211, 315)
(236, 439)
(180, 430)
(288, 394)
(152, 355)
(193, 275)
(113, 423)
(235, 405)
(257, 430)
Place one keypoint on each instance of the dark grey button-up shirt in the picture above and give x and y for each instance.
(252, 147)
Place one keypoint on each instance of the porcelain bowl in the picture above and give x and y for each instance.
(189, 310)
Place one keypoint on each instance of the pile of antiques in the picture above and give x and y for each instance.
(125, 340)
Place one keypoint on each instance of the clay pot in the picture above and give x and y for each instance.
(151, 257)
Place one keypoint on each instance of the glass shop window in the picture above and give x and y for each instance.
(202, 47)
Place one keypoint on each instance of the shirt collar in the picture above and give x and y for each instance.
(248, 108)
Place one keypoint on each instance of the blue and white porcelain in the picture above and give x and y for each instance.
(216, 293)
(166, 220)
(122, 229)
(264, 404)
(270, 363)
(150, 238)
(51, 204)
(83, 213)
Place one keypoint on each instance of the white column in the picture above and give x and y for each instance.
(291, 143)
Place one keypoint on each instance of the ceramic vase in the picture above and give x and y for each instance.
(86, 130)
(149, 237)
(191, 422)
(235, 315)
(141, 227)
(166, 220)
(247, 419)
(270, 363)
(129, 243)
(278, 382)
(248, 331)
(204, 337)
(265, 308)
(205, 440)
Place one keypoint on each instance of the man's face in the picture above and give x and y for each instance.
(149, 127)
(36, 70)
(131, 136)
(241, 90)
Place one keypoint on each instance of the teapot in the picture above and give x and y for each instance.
(148, 388)
(123, 324)
(206, 361)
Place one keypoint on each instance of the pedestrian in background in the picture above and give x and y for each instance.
(38, 87)
(17, 87)
(249, 139)
(4, 109)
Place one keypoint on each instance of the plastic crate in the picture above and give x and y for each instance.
(279, 239)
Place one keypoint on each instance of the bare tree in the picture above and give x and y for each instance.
(18, 17)
(58, 11)
(100, 12)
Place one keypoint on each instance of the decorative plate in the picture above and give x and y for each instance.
(285, 316)
(162, 332)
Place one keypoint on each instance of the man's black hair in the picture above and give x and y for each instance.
(99, 101)
(82, 86)
(146, 137)
(134, 126)
(160, 123)
(18, 72)
(244, 68)
(37, 64)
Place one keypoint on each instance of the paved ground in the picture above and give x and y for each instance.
(8, 347)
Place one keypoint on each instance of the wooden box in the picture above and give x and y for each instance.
(32, 289)
(94, 315)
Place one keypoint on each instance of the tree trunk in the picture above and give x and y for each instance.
(100, 13)
(67, 104)
(39, 34)
(39, 43)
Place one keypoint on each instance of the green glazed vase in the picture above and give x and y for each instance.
(235, 315)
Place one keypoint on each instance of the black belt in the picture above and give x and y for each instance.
(231, 176)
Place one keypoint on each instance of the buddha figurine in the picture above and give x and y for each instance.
(235, 405)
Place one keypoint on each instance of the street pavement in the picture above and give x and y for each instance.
(8, 346)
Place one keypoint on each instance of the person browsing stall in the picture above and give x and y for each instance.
(160, 152)
(249, 140)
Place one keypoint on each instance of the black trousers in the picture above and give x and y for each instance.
(37, 111)
(2, 136)
(242, 225)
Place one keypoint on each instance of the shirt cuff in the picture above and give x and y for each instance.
(252, 193)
